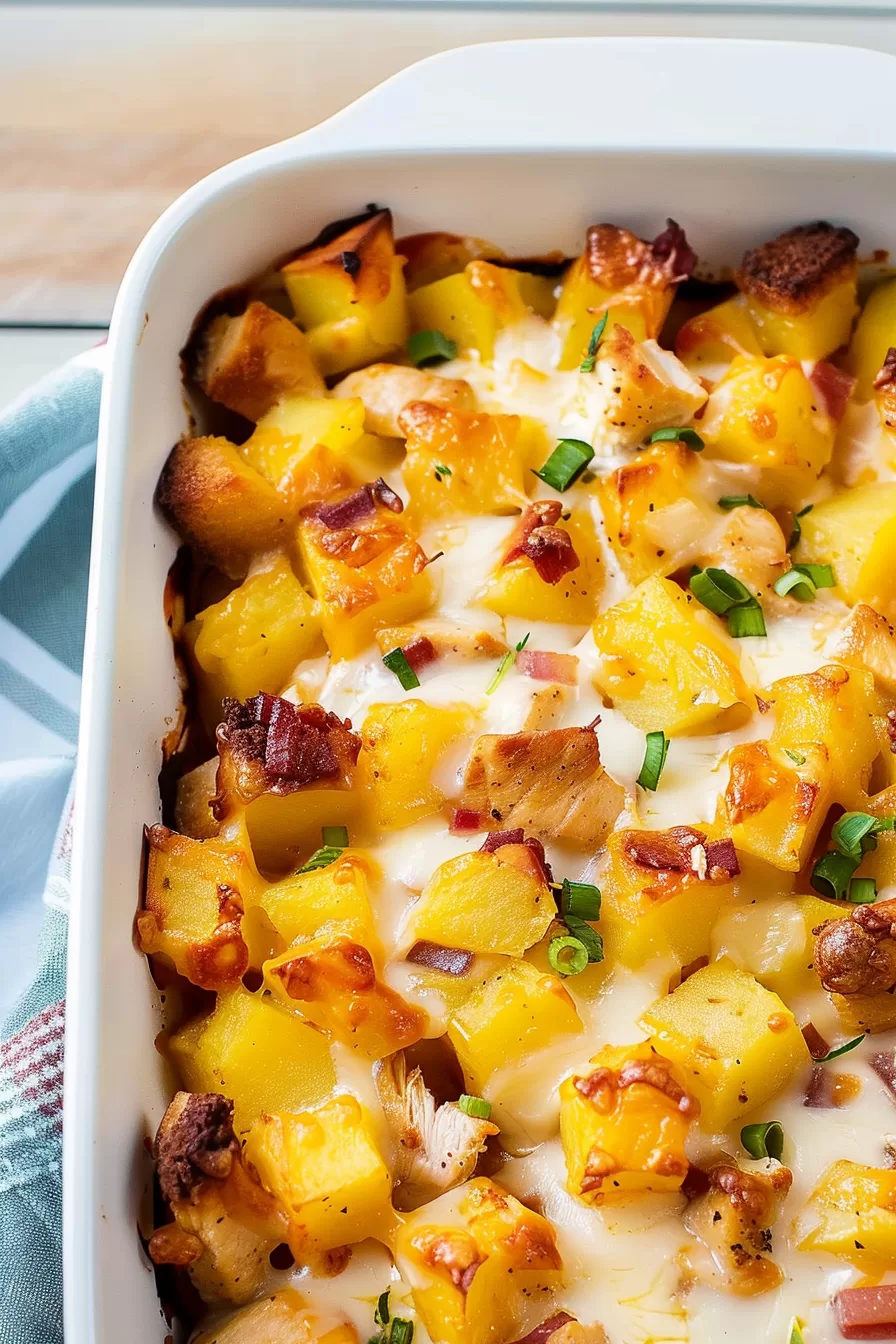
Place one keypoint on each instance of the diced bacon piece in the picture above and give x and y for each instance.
(818, 1046)
(832, 386)
(466, 819)
(544, 665)
(722, 854)
(549, 547)
(449, 960)
(866, 1313)
(543, 1332)
(496, 839)
(420, 652)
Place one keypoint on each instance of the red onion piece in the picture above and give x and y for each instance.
(495, 839)
(346, 512)
(722, 854)
(450, 960)
(546, 1329)
(543, 665)
(818, 1046)
(884, 1065)
(833, 388)
(466, 819)
(866, 1313)
(672, 251)
(820, 1091)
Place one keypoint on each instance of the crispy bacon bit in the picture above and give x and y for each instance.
(420, 653)
(617, 258)
(884, 1065)
(673, 253)
(669, 850)
(833, 388)
(345, 513)
(549, 547)
(818, 1046)
(828, 1091)
(721, 858)
(466, 819)
(543, 1332)
(886, 377)
(495, 839)
(385, 495)
(696, 1182)
(449, 960)
(866, 1313)
(793, 271)
(195, 1141)
(544, 665)
(858, 955)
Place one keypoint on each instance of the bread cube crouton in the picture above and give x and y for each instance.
(248, 363)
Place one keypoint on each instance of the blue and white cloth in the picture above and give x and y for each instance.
(47, 455)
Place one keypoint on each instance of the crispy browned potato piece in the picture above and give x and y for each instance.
(386, 389)
(550, 783)
(358, 261)
(220, 504)
(867, 639)
(432, 256)
(790, 273)
(248, 363)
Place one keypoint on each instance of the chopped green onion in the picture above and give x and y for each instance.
(430, 347)
(476, 1106)
(381, 1311)
(655, 752)
(832, 873)
(719, 591)
(401, 1331)
(765, 1140)
(321, 858)
(853, 829)
(795, 1331)
(739, 501)
(505, 665)
(795, 756)
(587, 364)
(746, 621)
(334, 837)
(797, 584)
(567, 462)
(841, 1049)
(442, 470)
(821, 575)
(568, 956)
(397, 663)
(681, 435)
(862, 891)
(579, 899)
(797, 531)
(590, 940)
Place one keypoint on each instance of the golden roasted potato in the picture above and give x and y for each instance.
(486, 457)
(470, 308)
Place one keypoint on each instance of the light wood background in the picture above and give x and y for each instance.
(108, 112)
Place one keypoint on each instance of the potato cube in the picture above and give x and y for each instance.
(432, 256)
(874, 334)
(773, 940)
(764, 414)
(738, 1043)
(366, 575)
(708, 342)
(852, 1214)
(776, 800)
(331, 899)
(304, 446)
(218, 503)
(487, 457)
(654, 516)
(332, 983)
(248, 363)
(801, 290)
(841, 709)
(258, 1054)
(646, 387)
(325, 1168)
(349, 295)
(474, 305)
(527, 588)
(385, 390)
(279, 1318)
(284, 829)
(665, 662)
(196, 895)
(512, 1015)
(402, 745)
(481, 1264)
(623, 1124)
(253, 639)
(654, 901)
(486, 902)
(867, 640)
(855, 532)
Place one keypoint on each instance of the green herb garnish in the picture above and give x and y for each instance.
(565, 464)
(684, 434)
(765, 1140)
(832, 874)
(795, 584)
(796, 530)
(398, 663)
(321, 858)
(505, 665)
(430, 347)
(567, 955)
(655, 752)
(475, 1106)
(841, 1049)
(862, 891)
(739, 501)
(334, 837)
(581, 900)
(725, 595)
(587, 364)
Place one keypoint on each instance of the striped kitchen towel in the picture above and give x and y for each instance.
(47, 452)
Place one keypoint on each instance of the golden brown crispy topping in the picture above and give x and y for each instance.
(793, 271)
(246, 363)
(617, 258)
(858, 955)
(172, 1245)
(670, 849)
(386, 389)
(549, 547)
(733, 1220)
(886, 377)
(195, 1141)
(363, 254)
(602, 1085)
(454, 1252)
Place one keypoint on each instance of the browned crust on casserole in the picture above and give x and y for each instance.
(195, 1141)
(790, 273)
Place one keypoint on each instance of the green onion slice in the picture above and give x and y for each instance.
(401, 1331)
(579, 899)
(796, 584)
(832, 874)
(587, 364)
(795, 756)
(397, 663)
(655, 753)
(766, 1140)
(797, 531)
(566, 463)
(321, 858)
(795, 1331)
(841, 1049)
(851, 832)
(567, 955)
(862, 891)
(476, 1106)
(442, 470)
(381, 1311)
(681, 435)
(430, 347)
(821, 575)
(505, 665)
(719, 591)
(746, 621)
(739, 501)
(590, 940)
(334, 837)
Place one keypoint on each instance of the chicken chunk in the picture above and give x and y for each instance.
(386, 389)
(733, 1221)
(867, 639)
(647, 388)
(550, 783)
(247, 363)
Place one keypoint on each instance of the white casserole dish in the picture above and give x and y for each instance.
(524, 142)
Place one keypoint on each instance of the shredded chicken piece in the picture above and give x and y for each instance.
(435, 1147)
(386, 389)
(647, 388)
(733, 1220)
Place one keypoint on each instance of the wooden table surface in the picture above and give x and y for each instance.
(107, 113)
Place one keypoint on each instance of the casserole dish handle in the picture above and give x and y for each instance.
(638, 93)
